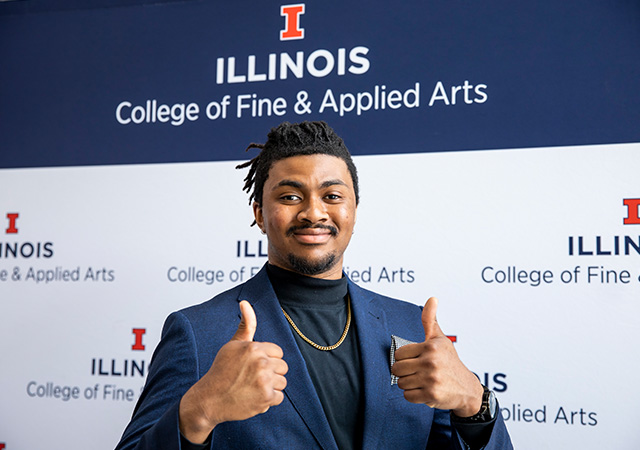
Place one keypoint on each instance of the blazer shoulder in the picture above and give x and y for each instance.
(218, 303)
(221, 314)
(214, 319)
(227, 302)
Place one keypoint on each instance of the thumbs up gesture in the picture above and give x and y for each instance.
(245, 379)
(431, 372)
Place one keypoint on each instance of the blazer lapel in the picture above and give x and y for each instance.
(375, 342)
(273, 327)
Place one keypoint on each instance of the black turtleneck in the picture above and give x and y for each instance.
(319, 309)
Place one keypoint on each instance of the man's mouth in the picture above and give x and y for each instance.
(318, 234)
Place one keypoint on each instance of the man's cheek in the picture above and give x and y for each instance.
(280, 220)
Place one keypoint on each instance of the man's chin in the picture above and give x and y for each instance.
(310, 267)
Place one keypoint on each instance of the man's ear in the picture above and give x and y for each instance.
(257, 215)
(355, 217)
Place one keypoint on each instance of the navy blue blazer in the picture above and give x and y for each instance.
(192, 337)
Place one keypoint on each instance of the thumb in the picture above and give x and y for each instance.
(429, 320)
(248, 323)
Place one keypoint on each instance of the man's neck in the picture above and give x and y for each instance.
(333, 273)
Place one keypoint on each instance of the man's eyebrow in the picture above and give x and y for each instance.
(298, 185)
(330, 183)
(295, 184)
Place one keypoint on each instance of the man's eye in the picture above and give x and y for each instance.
(333, 197)
(290, 198)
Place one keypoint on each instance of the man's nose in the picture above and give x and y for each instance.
(313, 210)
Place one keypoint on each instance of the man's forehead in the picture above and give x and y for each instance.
(306, 168)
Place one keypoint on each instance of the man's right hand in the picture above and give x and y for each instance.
(245, 379)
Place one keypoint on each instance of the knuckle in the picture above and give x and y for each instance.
(261, 363)
(266, 393)
(264, 380)
(427, 361)
(253, 348)
(431, 346)
(432, 395)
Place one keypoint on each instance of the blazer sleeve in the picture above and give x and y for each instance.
(444, 436)
(173, 370)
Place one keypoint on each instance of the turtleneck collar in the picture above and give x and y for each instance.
(299, 290)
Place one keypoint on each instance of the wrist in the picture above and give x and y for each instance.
(472, 402)
(195, 424)
(487, 412)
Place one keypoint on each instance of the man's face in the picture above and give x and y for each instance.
(308, 212)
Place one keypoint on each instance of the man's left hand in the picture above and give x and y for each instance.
(431, 372)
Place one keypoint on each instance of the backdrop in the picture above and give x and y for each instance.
(498, 148)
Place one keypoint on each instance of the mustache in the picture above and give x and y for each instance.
(332, 230)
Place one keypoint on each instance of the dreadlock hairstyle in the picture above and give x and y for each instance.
(287, 140)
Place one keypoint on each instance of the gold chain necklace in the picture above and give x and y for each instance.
(324, 348)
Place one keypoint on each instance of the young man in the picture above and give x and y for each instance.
(306, 363)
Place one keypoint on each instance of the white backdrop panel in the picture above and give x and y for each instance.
(560, 354)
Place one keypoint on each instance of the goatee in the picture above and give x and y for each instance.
(311, 268)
